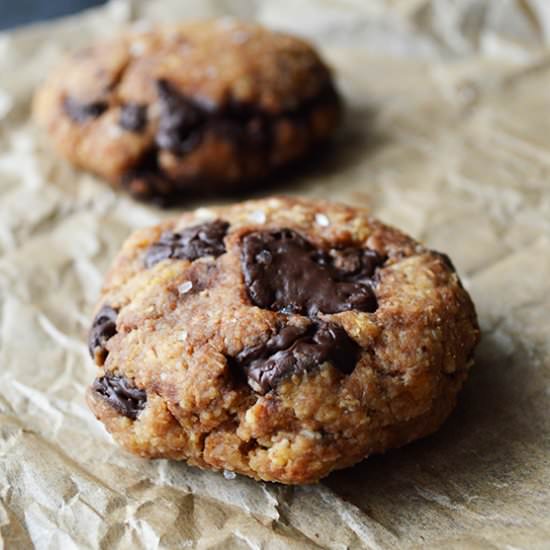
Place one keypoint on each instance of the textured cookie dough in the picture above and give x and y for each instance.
(281, 339)
(203, 106)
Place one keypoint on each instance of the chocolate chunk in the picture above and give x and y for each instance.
(253, 133)
(183, 120)
(180, 121)
(295, 350)
(121, 394)
(284, 272)
(133, 117)
(103, 328)
(81, 112)
(193, 242)
(258, 132)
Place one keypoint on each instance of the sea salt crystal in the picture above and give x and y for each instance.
(185, 287)
(257, 216)
(228, 474)
(240, 37)
(322, 220)
(182, 336)
(137, 48)
(114, 131)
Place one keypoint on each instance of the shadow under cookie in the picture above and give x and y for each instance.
(486, 448)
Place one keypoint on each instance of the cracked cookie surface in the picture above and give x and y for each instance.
(281, 338)
(201, 106)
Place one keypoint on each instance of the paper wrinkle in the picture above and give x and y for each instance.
(367, 530)
(446, 138)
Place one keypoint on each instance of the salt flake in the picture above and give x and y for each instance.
(185, 287)
(322, 220)
(257, 216)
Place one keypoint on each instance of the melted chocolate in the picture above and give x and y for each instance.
(81, 112)
(103, 328)
(285, 272)
(121, 394)
(179, 121)
(133, 117)
(193, 242)
(183, 122)
(297, 350)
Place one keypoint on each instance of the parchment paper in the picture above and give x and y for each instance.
(447, 137)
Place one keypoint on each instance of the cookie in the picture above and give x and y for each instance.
(210, 105)
(281, 339)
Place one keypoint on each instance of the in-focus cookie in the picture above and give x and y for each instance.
(281, 339)
(203, 106)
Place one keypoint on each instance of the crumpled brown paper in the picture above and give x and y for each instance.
(447, 137)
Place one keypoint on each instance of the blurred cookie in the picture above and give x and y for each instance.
(281, 339)
(203, 106)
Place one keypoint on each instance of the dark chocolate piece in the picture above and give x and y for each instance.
(297, 350)
(133, 117)
(103, 328)
(183, 122)
(121, 394)
(193, 242)
(285, 272)
(80, 112)
(253, 133)
(180, 121)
